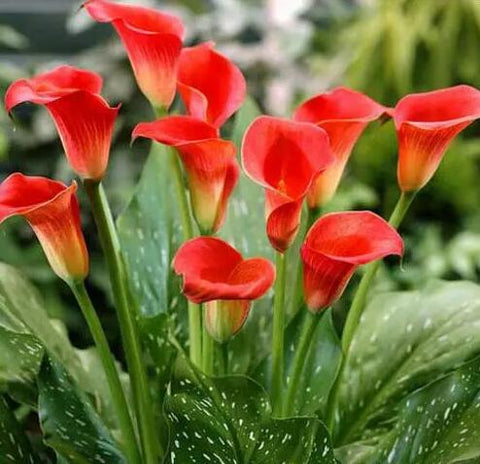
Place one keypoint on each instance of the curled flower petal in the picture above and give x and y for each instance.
(51, 208)
(213, 270)
(336, 245)
(284, 157)
(210, 85)
(344, 114)
(426, 124)
(210, 163)
(84, 120)
(52, 85)
(153, 41)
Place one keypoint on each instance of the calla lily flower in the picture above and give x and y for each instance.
(216, 274)
(336, 245)
(84, 120)
(284, 157)
(344, 114)
(211, 86)
(51, 208)
(426, 124)
(210, 163)
(153, 41)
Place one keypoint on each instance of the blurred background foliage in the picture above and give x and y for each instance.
(288, 51)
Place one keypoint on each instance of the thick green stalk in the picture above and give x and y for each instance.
(310, 324)
(358, 304)
(224, 358)
(208, 353)
(194, 311)
(278, 354)
(126, 315)
(108, 362)
(359, 300)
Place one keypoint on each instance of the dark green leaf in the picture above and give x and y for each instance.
(228, 420)
(438, 424)
(14, 444)
(405, 341)
(69, 422)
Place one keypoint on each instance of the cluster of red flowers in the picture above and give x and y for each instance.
(292, 159)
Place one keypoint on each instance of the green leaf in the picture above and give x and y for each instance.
(321, 365)
(406, 340)
(228, 420)
(146, 229)
(69, 422)
(438, 424)
(14, 444)
(26, 332)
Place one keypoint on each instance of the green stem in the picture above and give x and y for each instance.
(208, 353)
(310, 324)
(358, 304)
(278, 335)
(224, 358)
(359, 300)
(108, 361)
(130, 335)
(194, 311)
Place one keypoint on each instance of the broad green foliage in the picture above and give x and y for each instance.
(14, 444)
(228, 420)
(70, 424)
(438, 424)
(320, 368)
(147, 234)
(407, 340)
(26, 332)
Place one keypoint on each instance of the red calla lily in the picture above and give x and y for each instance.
(51, 208)
(153, 41)
(216, 273)
(336, 245)
(210, 85)
(426, 124)
(344, 114)
(284, 157)
(210, 163)
(84, 120)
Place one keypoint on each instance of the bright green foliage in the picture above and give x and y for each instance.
(14, 444)
(407, 340)
(69, 422)
(228, 420)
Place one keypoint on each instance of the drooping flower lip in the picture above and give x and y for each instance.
(211, 86)
(285, 156)
(213, 270)
(438, 108)
(353, 237)
(340, 104)
(137, 18)
(175, 130)
(50, 86)
(35, 193)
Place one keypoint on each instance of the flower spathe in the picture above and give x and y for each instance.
(84, 120)
(212, 88)
(216, 274)
(51, 208)
(153, 41)
(426, 124)
(284, 157)
(336, 245)
(210, 163)
(344, 114)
